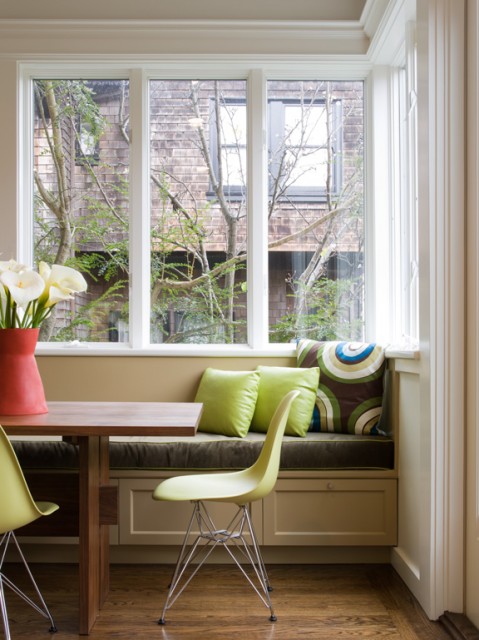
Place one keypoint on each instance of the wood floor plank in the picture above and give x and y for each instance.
(312, 602)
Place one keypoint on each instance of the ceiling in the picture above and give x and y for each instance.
(277, 10)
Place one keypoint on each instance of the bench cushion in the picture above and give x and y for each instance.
(317, 451)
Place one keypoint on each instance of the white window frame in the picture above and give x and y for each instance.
(409, 231)
(257, 76)
(404, 192)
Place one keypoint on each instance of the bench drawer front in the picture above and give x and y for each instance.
(143, 520)
(331, 512)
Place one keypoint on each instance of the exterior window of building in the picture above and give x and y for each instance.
(87, 147)
(298, 149)
(228, 145)
(305, 140)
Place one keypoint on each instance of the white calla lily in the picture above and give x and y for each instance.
(27, 297)
(60, 283)
(13, 265)
(24, 287)
(44, 270)
(57, 294)
(67, 278)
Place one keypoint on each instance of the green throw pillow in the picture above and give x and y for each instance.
(274, 384)
(229, 399)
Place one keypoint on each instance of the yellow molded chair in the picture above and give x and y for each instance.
(17, 508)
(237, 487)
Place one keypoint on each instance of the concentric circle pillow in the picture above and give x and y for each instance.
(350, 390)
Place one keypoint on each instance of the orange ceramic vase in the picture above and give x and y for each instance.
(21, 387)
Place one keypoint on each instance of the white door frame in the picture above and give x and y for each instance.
(441, 110)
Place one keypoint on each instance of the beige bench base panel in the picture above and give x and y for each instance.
(298, 512)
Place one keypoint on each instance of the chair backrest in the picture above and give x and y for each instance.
(264, 471)
(17, 506)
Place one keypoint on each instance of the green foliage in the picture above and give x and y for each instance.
(76, 100)
(328, 317)
(92, 315)
(200, 314)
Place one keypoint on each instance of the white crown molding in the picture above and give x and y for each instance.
(372, 15)
(386, 39)
(210, 25)
(188, 36)
(13, 28)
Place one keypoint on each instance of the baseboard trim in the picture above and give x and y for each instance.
(52, 551)
(458, 626)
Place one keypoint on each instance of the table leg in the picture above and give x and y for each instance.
(104, 528)
(89, 560)
(94, 561)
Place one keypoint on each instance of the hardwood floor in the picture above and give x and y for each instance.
(346, 602)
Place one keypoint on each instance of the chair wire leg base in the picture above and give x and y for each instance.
(234, 541)
(42, 609)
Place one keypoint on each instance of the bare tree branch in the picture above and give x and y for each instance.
(222, 268)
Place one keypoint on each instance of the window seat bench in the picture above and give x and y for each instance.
(333, 490)
(317, 451)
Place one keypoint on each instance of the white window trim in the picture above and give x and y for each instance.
(378, 316)
(410, 228)
(139, 293)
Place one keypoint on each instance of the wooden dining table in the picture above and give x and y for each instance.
(92, 423)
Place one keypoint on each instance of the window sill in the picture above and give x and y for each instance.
(399, 353)
(200, 351)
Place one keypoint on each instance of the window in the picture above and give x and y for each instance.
(305, 137)
(305, 140)
(192, 179)
(396, 191)
(198, 235)
(80, 209)
(87, 148)
(315, 208)
(407, 233)
(228, 146)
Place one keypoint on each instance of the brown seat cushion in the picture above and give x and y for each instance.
(317, 451)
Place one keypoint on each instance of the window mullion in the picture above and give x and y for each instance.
(258, 320)
(24, 251)
(139, 212)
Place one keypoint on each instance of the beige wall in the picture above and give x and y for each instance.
(8, 159)
(154, 379)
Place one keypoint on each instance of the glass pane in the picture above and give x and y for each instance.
(81, 177)
(305, 124)
(234, 165)
(198, 211)
(316, 204)
(233, 124)
(309, 166)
